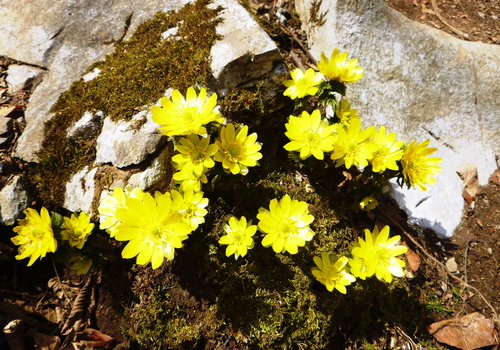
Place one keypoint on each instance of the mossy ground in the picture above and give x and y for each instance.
(205, 300)
(202, 299)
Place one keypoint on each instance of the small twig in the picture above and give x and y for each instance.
(410, 340)
(297, 61)
(59, 280)
(454, 30)
(465, 262)
(305, 49)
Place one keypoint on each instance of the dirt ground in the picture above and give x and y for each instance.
(471, 256)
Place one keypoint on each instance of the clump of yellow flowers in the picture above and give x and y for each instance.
(349, 144)
(154, 225)
(195, 117)
(40, 233)
(375, 255)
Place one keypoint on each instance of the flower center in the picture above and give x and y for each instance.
(288, 228)
(190, 114)
(313, 139)
(234, 152)
(197, 155)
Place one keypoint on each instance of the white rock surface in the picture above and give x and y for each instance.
(421, 83)
(65, 38)
(13, 200)
(80, 191)
(18, 76)
(156, 172)
(245, 51)
(122, 144)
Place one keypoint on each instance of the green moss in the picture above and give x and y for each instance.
(132, 78)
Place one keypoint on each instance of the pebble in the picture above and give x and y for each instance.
(6, 130)
(6, 125)
(451, 265)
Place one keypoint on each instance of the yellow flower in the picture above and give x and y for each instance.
(35, 236)
(344, 112)
(332, 275)
(239, 236)
(310, 135)
(195, 153)
(184, 116)
(368, 203)
(77, 229)
(376, 255)
(189, 180)
(302, 84)
(286, 225)
(112, 204)
(191, 205)
(80, 263)
(353, 146)
(237, 151)
(152, 228)
(388, 153)
(418, 167)
(336, 68)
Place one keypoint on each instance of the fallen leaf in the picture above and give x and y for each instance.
(412, 258)
(468, 198)
(467, 333)
(495, 178)
(47, 342)
(100, 340)
(347, 177)
(468, 174)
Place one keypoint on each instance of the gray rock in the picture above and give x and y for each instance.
(123, 144)
(87, 126)
(65, 38)
(20, 77)
(80, 191)
(68, 37)
(13, 200)
(6, 125)
(159, 170)
(421, 83)
(245, 51)
(6, 130)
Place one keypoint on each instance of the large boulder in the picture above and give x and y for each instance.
(421, 83)
(64, 39)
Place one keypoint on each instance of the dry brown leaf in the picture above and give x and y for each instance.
(82, 307)
(6, 110)
(495, 178)
(467, 333)
(47, 342)
(412, 258)
(347, 176)
(468, 174)
(100, 340)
